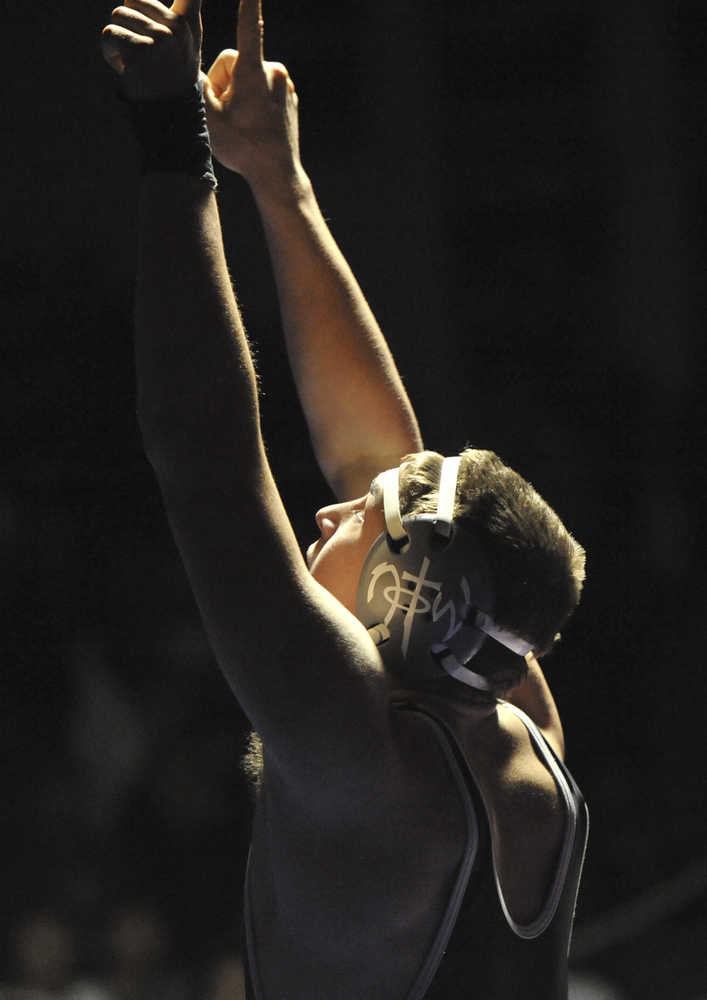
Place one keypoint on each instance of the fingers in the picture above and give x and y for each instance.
(154, 10)
(212, 99)
(189, 9)
(250, 33)
(154, 47)
(111, 51)
(133, 29)
(138, 23)
(121, 46)
(221, 72)
(279, 84)
(279, 70)
(280, 80)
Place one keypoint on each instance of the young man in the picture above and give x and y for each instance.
(414, 836)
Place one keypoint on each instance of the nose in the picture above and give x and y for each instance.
(328, 519)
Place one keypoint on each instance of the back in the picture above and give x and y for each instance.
(453, 937)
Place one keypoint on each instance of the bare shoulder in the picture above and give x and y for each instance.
(515, 775)
(526, 814)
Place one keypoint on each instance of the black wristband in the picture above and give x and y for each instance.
(174, 136)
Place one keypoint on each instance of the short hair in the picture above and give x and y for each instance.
(535, 565)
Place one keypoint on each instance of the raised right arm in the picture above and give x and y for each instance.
(359, 415)
(358, 412)
(302, 666)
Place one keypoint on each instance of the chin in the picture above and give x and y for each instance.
(310, 556)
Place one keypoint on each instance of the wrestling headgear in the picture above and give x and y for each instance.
(424, 593)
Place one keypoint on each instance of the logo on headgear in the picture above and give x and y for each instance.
(413, 602)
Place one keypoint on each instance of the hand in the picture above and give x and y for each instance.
(155, 49)
(252, 107)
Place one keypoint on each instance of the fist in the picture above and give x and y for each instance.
(156, 50)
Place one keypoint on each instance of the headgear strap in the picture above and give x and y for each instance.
(390, 481)
(454, 668)
(446, 494)
(508, 639)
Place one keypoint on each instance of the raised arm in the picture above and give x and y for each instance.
(302, 667)
(358, 412)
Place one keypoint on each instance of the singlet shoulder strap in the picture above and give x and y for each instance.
(252, 984)
(454, 756)
(576, 828)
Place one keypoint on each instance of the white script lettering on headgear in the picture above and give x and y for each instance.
(413, 602)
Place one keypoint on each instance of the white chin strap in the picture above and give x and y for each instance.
(448, 661)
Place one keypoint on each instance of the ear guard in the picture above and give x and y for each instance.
(424, 592)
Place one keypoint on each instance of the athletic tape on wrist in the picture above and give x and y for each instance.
(174, 135)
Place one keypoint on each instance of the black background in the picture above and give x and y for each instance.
(520, 190)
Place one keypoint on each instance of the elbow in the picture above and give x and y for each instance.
(163, 451)
(165, 440)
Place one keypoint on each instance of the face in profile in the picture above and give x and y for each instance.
(347, 531)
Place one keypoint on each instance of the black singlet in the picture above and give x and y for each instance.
(479, 951)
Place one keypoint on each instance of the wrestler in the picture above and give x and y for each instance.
(416, 832)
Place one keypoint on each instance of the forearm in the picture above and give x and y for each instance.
(197, 396)
(358, 412)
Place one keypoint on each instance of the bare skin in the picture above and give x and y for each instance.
(358, 830)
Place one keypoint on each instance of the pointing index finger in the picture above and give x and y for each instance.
(250, 32)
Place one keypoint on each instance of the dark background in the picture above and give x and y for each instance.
(520, 190)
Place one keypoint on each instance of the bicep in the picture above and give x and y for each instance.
(302, 667)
